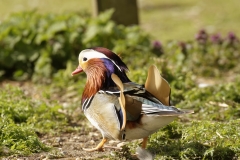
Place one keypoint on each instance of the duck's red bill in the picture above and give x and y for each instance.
(77, 70)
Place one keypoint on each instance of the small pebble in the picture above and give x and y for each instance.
(121, 144)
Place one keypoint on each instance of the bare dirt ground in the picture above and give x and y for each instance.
(69, 146)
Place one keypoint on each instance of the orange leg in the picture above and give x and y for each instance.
(144, 142)
(99, 146)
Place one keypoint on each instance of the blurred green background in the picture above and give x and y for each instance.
(164, 20)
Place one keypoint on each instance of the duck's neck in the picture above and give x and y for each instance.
(99, 78)
(95, 80)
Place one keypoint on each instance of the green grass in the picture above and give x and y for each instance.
(22, 117)
(194, 140)
(197, 140)
(164, 20)
(15, 135)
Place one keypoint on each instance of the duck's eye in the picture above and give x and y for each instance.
(84, 59)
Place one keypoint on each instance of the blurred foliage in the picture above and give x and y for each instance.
(36, 45)
(207, 55)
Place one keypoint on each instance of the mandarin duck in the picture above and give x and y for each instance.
(119, 108)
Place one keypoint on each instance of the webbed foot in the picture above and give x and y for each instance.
(98, 148)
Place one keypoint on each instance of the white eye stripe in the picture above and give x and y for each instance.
(90, 54)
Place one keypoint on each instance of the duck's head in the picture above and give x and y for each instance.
(99, 63)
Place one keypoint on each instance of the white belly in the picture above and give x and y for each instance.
(149, 125)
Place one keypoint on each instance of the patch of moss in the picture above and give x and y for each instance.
(199, 140)
(217, 102)
(22, 118)
(18, 139)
